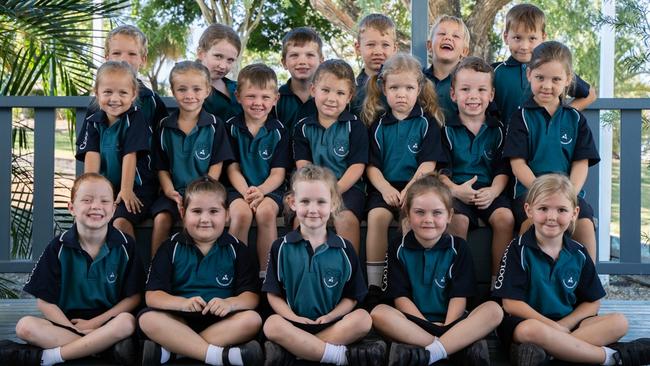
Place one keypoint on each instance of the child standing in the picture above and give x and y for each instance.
(261, 149)
(404, 144)
(219, 48)
(190, 143)
(336, 139)
(430, 275)
(476, 174)
(201, 288)
(551, 292)
(525, 30)
(546, 136)
(314, 281)
(87, 281)
(448, 44)
(302, 52)
(376, 42)
(115, 143)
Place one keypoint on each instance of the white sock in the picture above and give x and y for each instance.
(214, 355)
(609, 356)
(262, 274)
(436, 351)
(375, 271)
(165, 355)
(334, 354)
(234, 356)
(51, 356)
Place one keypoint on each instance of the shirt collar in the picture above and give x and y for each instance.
(431, 75)
(100, 116)
(511, 61)
(285, 89)
(344, 117)
(417, 111)
(205, 119)
(410, 241)
(333, 240)
(490, 121)
(362, 78)
(530, 103)
(184, 238)
(114, 237)
(529, 240)
(143, 90)
(271, 122)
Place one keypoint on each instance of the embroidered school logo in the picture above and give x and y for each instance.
(441, 281)
(265, 153)
(340, 148)
(413, 144)
(111, 277)
(570, 280)
(565, 139)
(331, 278)
(224, 279)
(202, 152)
(489, 154)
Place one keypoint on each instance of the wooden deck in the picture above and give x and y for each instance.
(637, 312)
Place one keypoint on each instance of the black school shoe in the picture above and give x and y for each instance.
(374, 297)
(635, 353)
(251, 354)
(19, 354)
(366, 352)
(476, 354)
(527, 354)
(401, 354)
(276, 355)
(124, 352)
(151, 353)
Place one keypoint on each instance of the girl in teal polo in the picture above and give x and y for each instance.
(404, 144)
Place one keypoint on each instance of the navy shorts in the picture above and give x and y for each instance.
(354, 200)
(433, 329)
(473, 213)
(277, 196)
(586, 211)
(375, 200)
(163, 203)
(313, 328)
(195, 320)
(147, 199)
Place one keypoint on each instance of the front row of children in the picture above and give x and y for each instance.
(202, 291)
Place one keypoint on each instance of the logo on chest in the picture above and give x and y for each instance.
(440, 281)
(340, 148)
(331, 278)
(565, 139)
(414, 145)
(202, 152)
(570, 279)
(111, 277)
(224, 279)
(265, 152)
(489, 153)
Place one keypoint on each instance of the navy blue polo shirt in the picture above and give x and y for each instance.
(258, 155)
(221, 105)
(180, 269)
(313, 282)
(512, 89)
(188, 157)
(471, 155)
(430, 277)
(290, 109)
(65, 275)
(151, 105)
(548, 143)
(554, 288)
(340, 145)
(129, 134)
(356, 104)
(443, 90)
(397, 148)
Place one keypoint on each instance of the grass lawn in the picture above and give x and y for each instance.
(645, 201)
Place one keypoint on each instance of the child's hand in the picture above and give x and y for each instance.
(193, 304)
(323, 319)
(218, 307)
(485, 197)
(131, 201)
(465, 192)
(84, 326)
(561, 327)
(392, 196)
(303, 320)
(176, 197)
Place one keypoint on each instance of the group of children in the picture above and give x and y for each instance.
(427, 146)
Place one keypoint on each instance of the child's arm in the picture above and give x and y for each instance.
(215, 170)
(388, 192)
(280, 306)
(126, 194)
(160, 299)
(522, 171)
(580, 103)
(126, 305)
(274, 180)
(463, 192)
(579, 171)
(581, 312)
(424, 168)
(53, 313)
(486, 195)
(237, 179)
(352, 175)
(221, 307)
(168, 189)
(455, 309)
(341, 309)
(92, 162)
(406, 305)
(521, 309)
(357, 158)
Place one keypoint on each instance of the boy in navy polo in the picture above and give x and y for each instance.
(190, 143)
(261, 148)
(302, 52)
(336, 139)
(201, 288)
(476, 174)
(448, 44)
(86, 281)
(525, 30)
(219, 48)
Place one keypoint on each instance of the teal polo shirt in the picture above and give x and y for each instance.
(430, 277)
(313, 282)
(397, 148)
(554, 288)
(549, 144)
(188, 157)
(290, 109)
(443, 90)
(180, 269)
(129, 134)
(152, 107)
(258, 155)
(337, 147)
(471, 155)
(66, 275)
(221, 105)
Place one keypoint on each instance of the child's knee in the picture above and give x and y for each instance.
(585, 224)
(251, 320)
(502, 219)
(266, 214)
(618, 324)
(124, 325)
(530, 331)
(493, 313)
(380, 313)
(163, 220)
(147, 322)
(347, 220)
(460, 222)
(25, 327)
(240, 214)
(274, 326)
(360, 319)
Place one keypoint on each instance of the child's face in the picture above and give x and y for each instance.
(401, 91)
(312, 202)
(375, 48)
(331, 96)
(522, 42)
(547, 82)
(551, 215)
(190, 90)
(205, 217)
(126, 48)
(115, 94)
(257, 102)
(93, 204)
(447, 45)
(472, 92)
(302, 61)
(219, 59)
(428, 218)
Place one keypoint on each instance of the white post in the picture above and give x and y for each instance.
(98, 38)
(606, 90)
